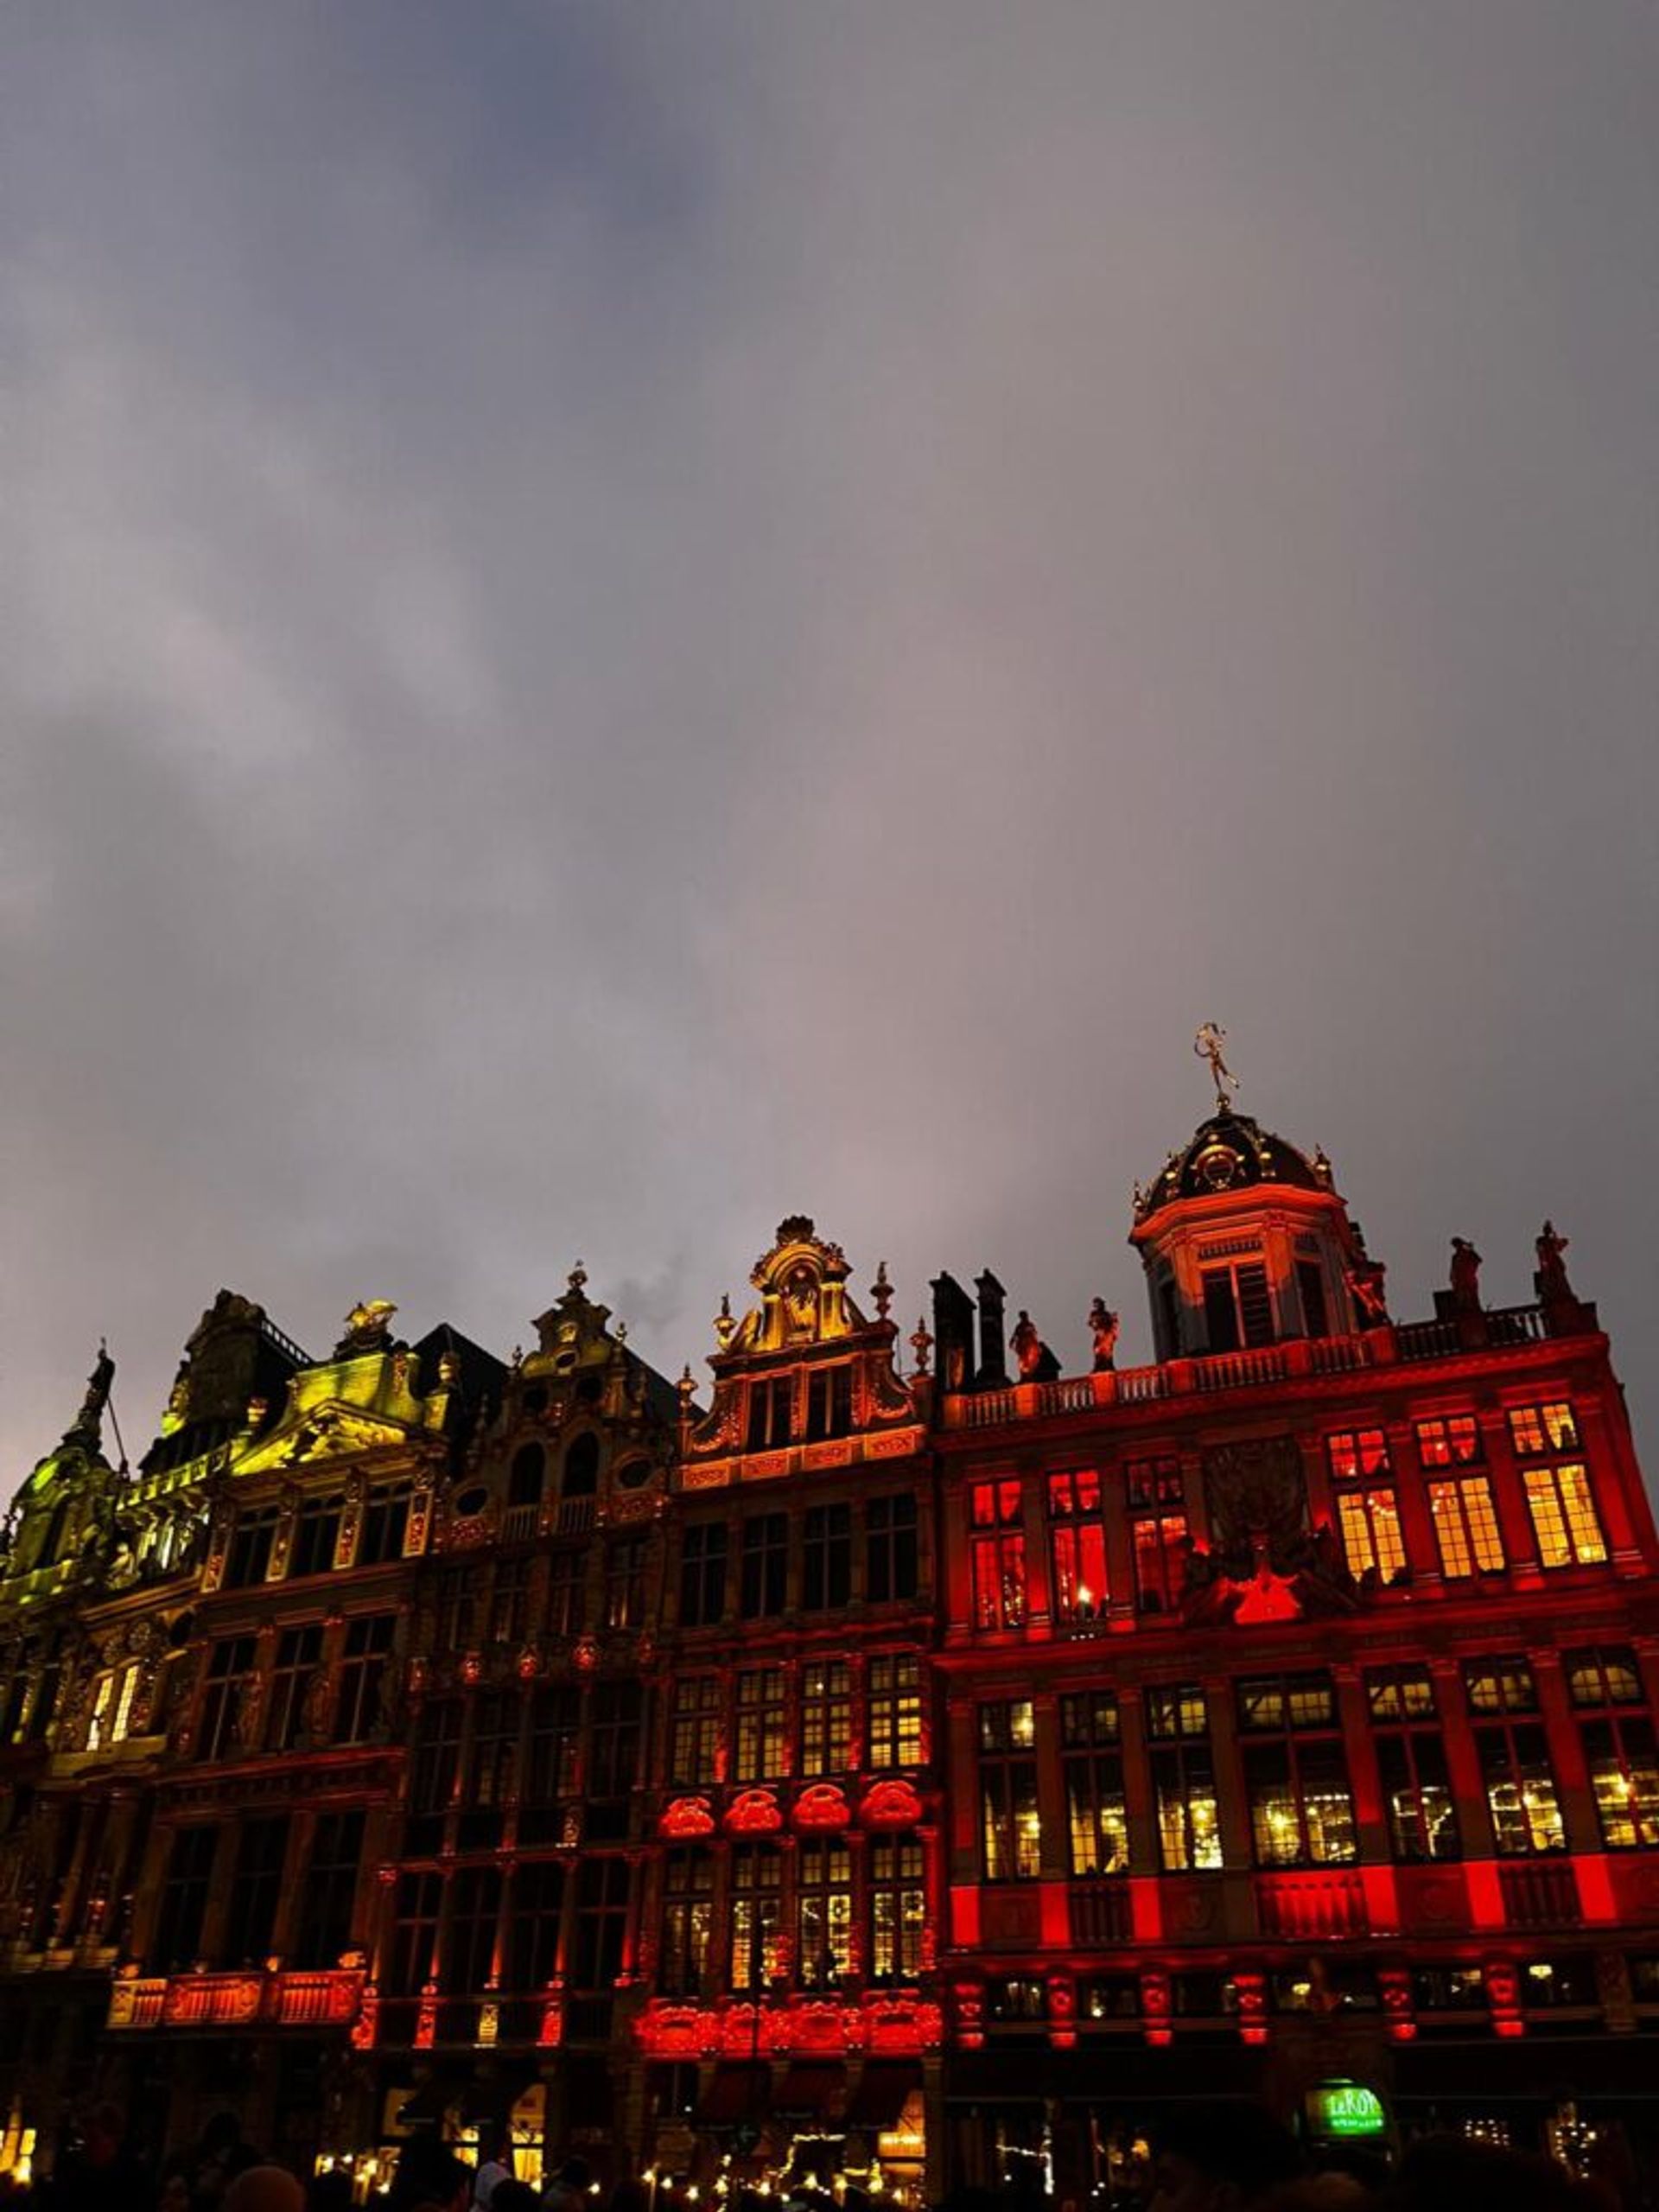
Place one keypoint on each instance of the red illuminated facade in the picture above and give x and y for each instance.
(922, 1770)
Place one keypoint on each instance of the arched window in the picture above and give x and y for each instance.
(528, 1470)
(582, 1468)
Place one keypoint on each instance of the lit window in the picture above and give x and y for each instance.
(1534, 1430)
(1465, 1527)
(1411, 1757)
(826, 1717)
(1564, 1516)
(1357, 1453)
(1158, 1533)
(1183, 1778)
(895, 1710)
(898, 1907)
(694, 1742)
(823, 1912)
(1619, 1746)
(1520, 1783)
(760, 1724)
(1010, 1826)
(999, 1554)
(1451, 1441)
(1302, 1806)
(1096, 1816)
(1077, 1545)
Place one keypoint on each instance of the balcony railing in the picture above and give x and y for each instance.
(331, 1998)
(1100, 1914)
(1316, 1907)
(1539, 1893)
(1206, 1375)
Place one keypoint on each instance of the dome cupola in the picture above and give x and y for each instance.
(1243, 1236)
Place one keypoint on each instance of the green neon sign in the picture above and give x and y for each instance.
(1346, 2108)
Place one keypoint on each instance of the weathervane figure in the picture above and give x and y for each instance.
(1207, 1045)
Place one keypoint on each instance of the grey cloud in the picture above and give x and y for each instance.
(623, 621)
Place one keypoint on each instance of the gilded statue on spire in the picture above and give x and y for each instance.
(1207, 1045)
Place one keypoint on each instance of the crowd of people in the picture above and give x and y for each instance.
(1213, 2158)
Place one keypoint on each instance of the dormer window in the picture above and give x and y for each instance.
(829, 1402)
(772, 1408)
(1237, 1306)
(581, 1468)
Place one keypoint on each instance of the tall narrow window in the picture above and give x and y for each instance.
(437, 1757)
(898, 1907)
(765, 1565)
(772, 1413)
(1237, 1306)
(184, 1897)
(1619, 1745)
(757, 1916)
(386, 1523)
(509, 1601)
(1465, 1527)
(601, 1922)
(996, 1515)
(625, 1582)
(316, 1535)
(1368, 1512)
(760, 1724)
(1158, 1534)
(1411, 1755)
(613, 1742)
(365, 1678)
(895, 1710)
(1183, 1778)
(251, 1546)
(230, 1666)
(256, 1885)
(554, 1734)
(1558, 1495)
(525, 1479)
(890, 1559)
(827, 1558)
(418, 1901)
(1316, 1313)
(703, 1574)
(1010, 1826)
(567, 1574)
(493, 1767)
(1097, 1823)
(579, 1478)
(826, 1717)
(1520, 1790)
(1295, 1773)
(324, 1929)
(687, 1917)
(828, 1401)
(533, 1925)
(299, 1654)
(458, 1608)
(469, 1939)
(1077, 1539)
(695, 1741)
(823, 1912)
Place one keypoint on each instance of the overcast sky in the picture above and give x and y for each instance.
(620, 621)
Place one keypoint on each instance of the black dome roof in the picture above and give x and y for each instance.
(1230, 1152)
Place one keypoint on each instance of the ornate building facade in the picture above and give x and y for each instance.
(906, 1773)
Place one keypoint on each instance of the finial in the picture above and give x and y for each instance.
(620, 1332)
(725, 1327)
(578, 1277)
(686, 1387)
(881, 1290)
(1322, 1166)
(921, 1344)
(518, 1357)
(1207, 1045)
(1139, 1199)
